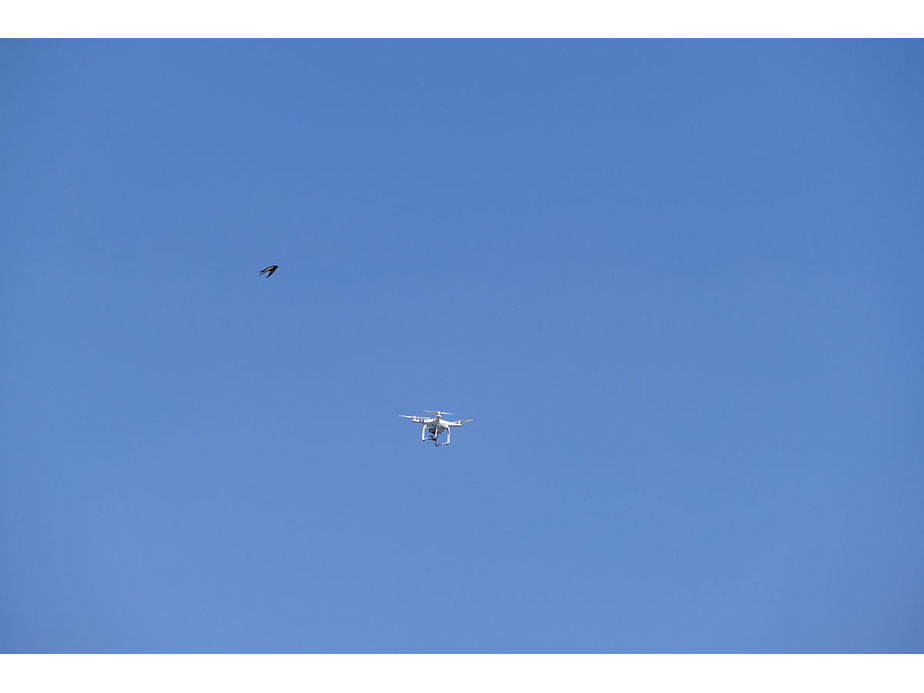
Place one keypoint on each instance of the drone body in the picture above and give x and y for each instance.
(434, 426)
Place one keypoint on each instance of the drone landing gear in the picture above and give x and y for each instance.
(434, 436)
(448, 435)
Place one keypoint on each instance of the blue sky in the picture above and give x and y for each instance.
(678, 284)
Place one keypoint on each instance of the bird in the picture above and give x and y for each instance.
(269, 270)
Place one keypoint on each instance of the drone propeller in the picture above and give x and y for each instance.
(438, 413)
(406, 416)
(462, 421)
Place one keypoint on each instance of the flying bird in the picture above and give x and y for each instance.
(269, 270)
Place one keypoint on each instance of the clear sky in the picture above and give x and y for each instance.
(678, 285)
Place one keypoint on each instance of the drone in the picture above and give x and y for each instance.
(433, 427)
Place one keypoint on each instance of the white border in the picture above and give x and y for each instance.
(461, 673)
(462, 18)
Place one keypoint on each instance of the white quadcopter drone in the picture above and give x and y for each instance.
(433, 427)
